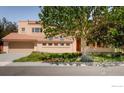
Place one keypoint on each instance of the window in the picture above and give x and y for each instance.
(44, 44)
(56, 44)
(67, 44)
(62, 44)
(61, 38)
(98, 44)
(36, 29)
(50, 38)
(23, 29)
(93, 44)
(56, 37)
(87, 43)
(50, 44)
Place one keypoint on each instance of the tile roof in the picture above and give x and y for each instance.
(18, 37)
(25, 37)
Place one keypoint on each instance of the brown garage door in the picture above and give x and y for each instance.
(21, 47)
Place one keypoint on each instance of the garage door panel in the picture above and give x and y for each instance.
(21, 47)
(20, 50)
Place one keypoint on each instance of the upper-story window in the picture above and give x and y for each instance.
(56, 37)
(61, 38)
(36, 29)
(23, 29)
(50, 38)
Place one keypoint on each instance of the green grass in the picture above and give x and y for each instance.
(68, 57)
(107, 58)
(50, 57)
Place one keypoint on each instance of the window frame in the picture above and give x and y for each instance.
(56, 44)
(68, 44)
(50, 44)
(44, 44)
(61, 44)
(50, 38)
(35, 30)
(61, 38)
(23, 29)
(56, 37)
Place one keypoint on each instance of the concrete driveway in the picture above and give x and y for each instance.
(11, 56)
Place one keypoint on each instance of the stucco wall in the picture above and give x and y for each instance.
(5, 47)
(99, 49)
(56, 49)
(28, 25)
(103, 50)
(22, 47)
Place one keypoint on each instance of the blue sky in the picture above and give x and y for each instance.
(16, 13)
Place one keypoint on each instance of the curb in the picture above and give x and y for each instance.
(74, 64)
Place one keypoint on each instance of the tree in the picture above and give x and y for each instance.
(108, 26)
(102, 24)
(117, 18)
(6, 27)
(71, 21)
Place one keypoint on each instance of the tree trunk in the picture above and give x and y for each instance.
(83, 45)
(85, 50)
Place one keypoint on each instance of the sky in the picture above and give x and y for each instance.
(16, 13)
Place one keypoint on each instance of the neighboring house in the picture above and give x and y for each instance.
(30, 37)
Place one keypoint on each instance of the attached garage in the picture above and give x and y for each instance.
(20, 47)
(19, 43)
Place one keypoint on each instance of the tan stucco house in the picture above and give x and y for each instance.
(30, 37)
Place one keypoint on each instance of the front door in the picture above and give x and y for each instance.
(78, 45)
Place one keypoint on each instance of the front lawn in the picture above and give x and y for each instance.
(108, 57)
(71, 57)
(50, 57)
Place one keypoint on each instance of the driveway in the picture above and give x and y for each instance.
(11, 56)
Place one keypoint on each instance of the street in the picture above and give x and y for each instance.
(61, 71)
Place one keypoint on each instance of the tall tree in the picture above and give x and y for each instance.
(6, 27)
(108, 26)
(71, 21)
(102, 24)
(117, 18)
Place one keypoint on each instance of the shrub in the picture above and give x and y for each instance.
(86, 58)
(50, 57)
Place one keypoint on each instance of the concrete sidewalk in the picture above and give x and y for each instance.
(11, 56)
(59, 65)
(33, 64)
(4, 63)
